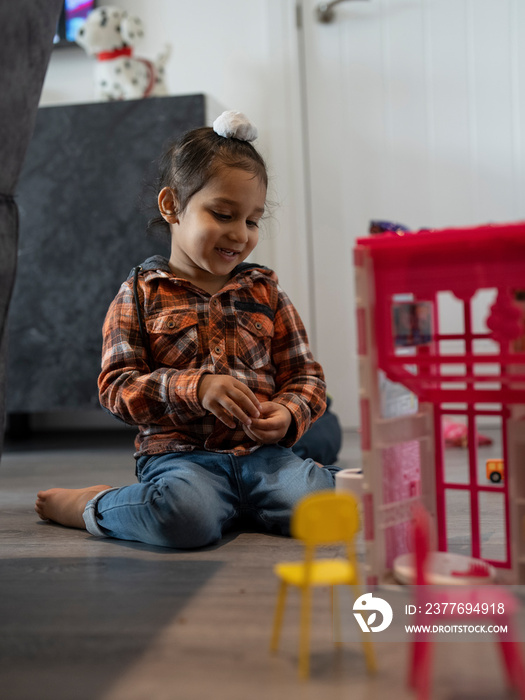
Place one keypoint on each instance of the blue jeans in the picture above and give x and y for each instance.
(189, 499)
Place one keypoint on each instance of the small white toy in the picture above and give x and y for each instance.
(109, 33)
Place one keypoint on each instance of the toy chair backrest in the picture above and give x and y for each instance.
(422, 534)
(326, 517)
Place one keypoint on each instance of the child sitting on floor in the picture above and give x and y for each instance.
(207, 356)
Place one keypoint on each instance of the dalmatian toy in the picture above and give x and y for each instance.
(109, 34)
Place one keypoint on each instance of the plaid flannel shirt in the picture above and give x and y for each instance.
(249, 329)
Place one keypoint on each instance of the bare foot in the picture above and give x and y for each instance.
(65, 506)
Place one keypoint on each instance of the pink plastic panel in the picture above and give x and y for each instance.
(401, 482)
(365, 424)
(401, 471)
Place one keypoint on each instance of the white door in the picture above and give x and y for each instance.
(414, 111)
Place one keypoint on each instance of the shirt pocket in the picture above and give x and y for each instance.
(254, 339)
(174, 338)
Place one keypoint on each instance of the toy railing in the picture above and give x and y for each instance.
(423, 375)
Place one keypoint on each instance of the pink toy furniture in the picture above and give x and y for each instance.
(425, 357)
(480, 597)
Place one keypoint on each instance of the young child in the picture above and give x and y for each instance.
(206, 355)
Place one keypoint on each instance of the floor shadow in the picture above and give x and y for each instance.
(71, 626)
(28, 440)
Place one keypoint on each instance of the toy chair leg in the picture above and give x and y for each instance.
(421, 669)
(511, 654)
(415, 660)
(370, 657)
(304, 638)
(336, 616)
(366, 642)
(278, 617)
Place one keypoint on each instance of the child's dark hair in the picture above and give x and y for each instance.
(192, 161)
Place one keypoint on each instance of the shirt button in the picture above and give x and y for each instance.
(218, 350)
(258, 326)
(170, 324)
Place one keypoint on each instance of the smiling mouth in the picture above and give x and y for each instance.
(228, 252)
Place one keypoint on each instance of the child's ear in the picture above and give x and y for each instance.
(168, 205)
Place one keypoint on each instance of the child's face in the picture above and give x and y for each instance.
(218, 229)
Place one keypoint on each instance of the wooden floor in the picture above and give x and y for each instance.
(84, 618)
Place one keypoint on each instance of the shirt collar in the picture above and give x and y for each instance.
(243, 274)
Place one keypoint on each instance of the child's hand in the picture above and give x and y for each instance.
(228, 398)
(272, 425)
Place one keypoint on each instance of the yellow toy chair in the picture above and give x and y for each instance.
(323, 518)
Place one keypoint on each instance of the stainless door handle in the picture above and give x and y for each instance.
(325, 10)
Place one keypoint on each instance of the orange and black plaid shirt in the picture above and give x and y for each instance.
(249, 329)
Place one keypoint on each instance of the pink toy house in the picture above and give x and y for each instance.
(429, 351)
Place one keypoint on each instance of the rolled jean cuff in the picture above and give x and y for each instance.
(90, 514)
